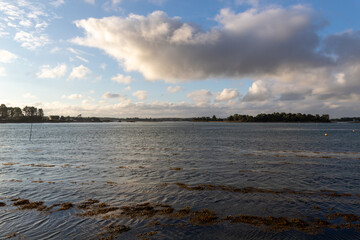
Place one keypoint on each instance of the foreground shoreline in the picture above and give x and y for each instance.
(179, 181)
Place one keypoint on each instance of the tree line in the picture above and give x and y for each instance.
(16, 114)
(271, 117)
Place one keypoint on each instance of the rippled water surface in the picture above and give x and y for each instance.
(289, 171)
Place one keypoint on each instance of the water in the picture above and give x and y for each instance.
(75, 162)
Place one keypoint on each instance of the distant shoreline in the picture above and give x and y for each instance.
(166, 120)
(31, 114)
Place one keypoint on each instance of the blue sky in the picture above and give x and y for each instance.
(167, 58)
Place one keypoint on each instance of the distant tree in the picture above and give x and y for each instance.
(280, 117)
(30, 111)
(10, 113)
(40, 112)
(3, 111)
(325, 118)
(230, 118)
(17, 113)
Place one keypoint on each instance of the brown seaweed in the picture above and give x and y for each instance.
(210, 187)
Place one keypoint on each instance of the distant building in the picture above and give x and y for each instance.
(54, 118)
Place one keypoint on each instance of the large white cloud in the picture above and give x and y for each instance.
(293, 68)
(227, 94)
(79, 72)
(200, 97)
(6, 56)
(244, 44)
(55, 72)
(140, 94)
(259, 91)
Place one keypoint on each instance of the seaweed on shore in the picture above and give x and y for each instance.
(210, 187)
(280, 223)
(87, 203)
(146, 234)
(39, 165)
(26, 204)
(15, 180)
(10, 163)
(94, 209)
(110, 232)
(111, 183)
(175, 168)
(11, 235)
(65, 206)
(346, 217)
(146, 210)
(205, 216)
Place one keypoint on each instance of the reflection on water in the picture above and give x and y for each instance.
(180, 181)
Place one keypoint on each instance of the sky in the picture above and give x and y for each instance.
(172, 58)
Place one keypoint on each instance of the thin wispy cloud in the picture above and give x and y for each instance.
(72, 96)
(109, 95)
(122, 79)
(57, 3)
(92, 2)
(26, 21)
(30, 40)
(29, 96)
(82, 59)
(253, 3)
(2, 71)
(173, 89)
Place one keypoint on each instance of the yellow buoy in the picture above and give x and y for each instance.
(325, 134)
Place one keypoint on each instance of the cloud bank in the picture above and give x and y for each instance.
(280, 49)
(250, 43)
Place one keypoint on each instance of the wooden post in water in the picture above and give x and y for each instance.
(30, 131)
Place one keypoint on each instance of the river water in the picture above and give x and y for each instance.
(258, 170)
